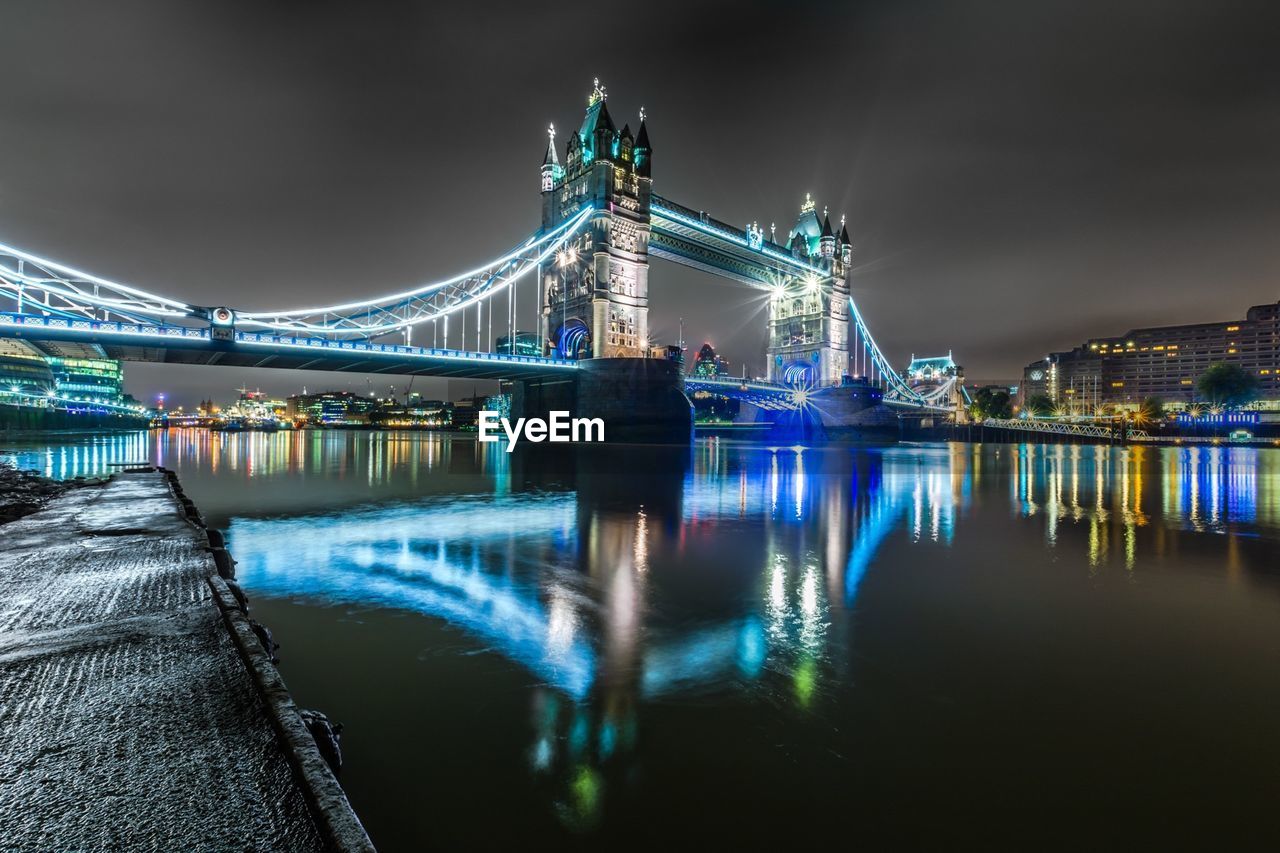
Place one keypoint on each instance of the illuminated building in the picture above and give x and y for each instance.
(809, 316)
(98, 380)
(707, 363)
(708, 407)
(595, 297)
(414, 413)
(74, 385)
(937, 369)
(330, 407)
(1163, 361)
(24, 373)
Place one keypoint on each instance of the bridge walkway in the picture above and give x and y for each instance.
(129, 717)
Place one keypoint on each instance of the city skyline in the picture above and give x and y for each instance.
(1009, 191)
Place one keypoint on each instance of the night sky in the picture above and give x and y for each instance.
(1017, 175)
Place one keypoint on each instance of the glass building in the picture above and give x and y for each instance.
(98, 380)
(25, 376)
(707, 363)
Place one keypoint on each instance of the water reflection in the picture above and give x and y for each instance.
(737, 575)
(625, 581)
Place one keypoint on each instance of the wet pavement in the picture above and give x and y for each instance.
(128, 719)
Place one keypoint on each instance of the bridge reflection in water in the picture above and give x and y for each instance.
(781, 591)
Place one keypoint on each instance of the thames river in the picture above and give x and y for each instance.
(745, 644)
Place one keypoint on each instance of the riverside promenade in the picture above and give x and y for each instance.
(138, 710)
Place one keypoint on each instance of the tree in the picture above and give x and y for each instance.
(1039, 405)
(1150, 410)
(991, 404)
(1227, 386)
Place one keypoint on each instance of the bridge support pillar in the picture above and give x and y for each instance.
(640, 400)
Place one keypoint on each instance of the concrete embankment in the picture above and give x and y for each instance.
(138, 706)
(19, 420)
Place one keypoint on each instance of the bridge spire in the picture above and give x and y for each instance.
(551, 169)
(597, 93)
(550, 159)
(643, 149)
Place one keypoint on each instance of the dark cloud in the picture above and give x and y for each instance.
(1016, 175)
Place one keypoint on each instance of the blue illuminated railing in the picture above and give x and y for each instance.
(103, 327)
(160, 331)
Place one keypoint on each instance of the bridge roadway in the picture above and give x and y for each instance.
(130, 718)
(767, 395)
(194, 345)
(173, 344)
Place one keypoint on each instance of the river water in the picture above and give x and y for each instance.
(1022, 645)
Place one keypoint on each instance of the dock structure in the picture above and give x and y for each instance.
(138, 708)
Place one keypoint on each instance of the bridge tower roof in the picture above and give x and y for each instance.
(597, 118)
(642, 136)
(807, 226)
(550, 159)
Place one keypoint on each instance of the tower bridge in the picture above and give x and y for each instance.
(585, 272)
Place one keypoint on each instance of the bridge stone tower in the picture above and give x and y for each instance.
(596, 294)
(809, 315)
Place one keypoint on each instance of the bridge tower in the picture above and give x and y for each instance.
(596, 293)
(809, 315)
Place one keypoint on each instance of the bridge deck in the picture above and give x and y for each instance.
(169, 344)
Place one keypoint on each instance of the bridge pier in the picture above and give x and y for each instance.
(640, 400)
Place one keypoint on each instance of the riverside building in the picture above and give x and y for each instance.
(1161, 361)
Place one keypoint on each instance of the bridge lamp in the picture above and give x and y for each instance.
(813, 283)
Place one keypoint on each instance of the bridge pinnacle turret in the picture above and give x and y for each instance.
(643, 149)
(551, 169)
(827, 240)
(550, 157)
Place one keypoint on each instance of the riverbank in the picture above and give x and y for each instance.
(24, 492)
(139, 705)
(25, 420)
